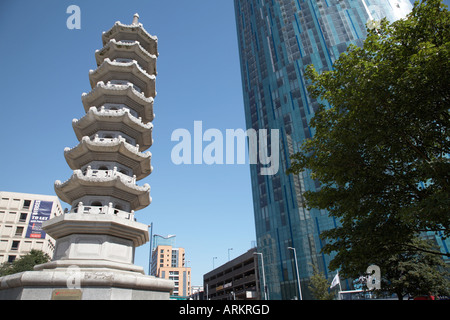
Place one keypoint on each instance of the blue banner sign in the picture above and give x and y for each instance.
(41, 213)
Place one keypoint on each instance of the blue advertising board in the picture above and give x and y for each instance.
(41, 213)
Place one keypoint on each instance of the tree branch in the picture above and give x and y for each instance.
(424, 250)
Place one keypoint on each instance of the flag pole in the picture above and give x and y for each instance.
(340, 288)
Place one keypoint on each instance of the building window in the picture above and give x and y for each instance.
(23, 217)
(11, 259)
(19, 231)
(26, 204)
(15, 245)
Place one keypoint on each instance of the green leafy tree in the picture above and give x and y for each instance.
(381, 150)
(417, 273)
(25, 263)
(319, 286)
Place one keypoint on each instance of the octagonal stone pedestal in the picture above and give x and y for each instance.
(95, 240)
(74, 283)
(93, 259)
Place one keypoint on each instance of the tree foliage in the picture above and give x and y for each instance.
(25, 263)
(381, 150)
(319, 286)
(415, 273)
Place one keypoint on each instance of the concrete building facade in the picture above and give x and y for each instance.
(237, 279)
(170, 263)
(21, 218)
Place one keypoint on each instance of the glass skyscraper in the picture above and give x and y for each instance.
(277, 40)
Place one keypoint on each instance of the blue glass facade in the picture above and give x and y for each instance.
(277, 40)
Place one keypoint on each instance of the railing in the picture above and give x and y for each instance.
(124, 82)
(81, 208)
(110, 86)
(118, 109)
(96, 138)
(88, 172)
(129, 140)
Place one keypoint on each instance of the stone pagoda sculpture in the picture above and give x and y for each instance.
(96, 239)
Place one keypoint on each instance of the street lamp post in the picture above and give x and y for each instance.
(187, 279)
(213, 261)
(298, 275)
(263, 274)
(150, 262)
(229, 253)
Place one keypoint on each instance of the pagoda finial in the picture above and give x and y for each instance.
(135, 19)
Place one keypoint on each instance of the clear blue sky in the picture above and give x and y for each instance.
(45, 69)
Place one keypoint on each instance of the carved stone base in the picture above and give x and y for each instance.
(83, 284)
(94, 247)
(97, 224)
(93, 260)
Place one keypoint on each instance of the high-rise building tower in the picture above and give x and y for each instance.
(169, 262)
(277, 40)
(96, 239)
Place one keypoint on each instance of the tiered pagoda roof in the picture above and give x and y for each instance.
(127, 50)
(132, 32)
(116, 185)
(109, 150)
(117, 128)
(120, 94)
(122, 120)
(124, 71)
